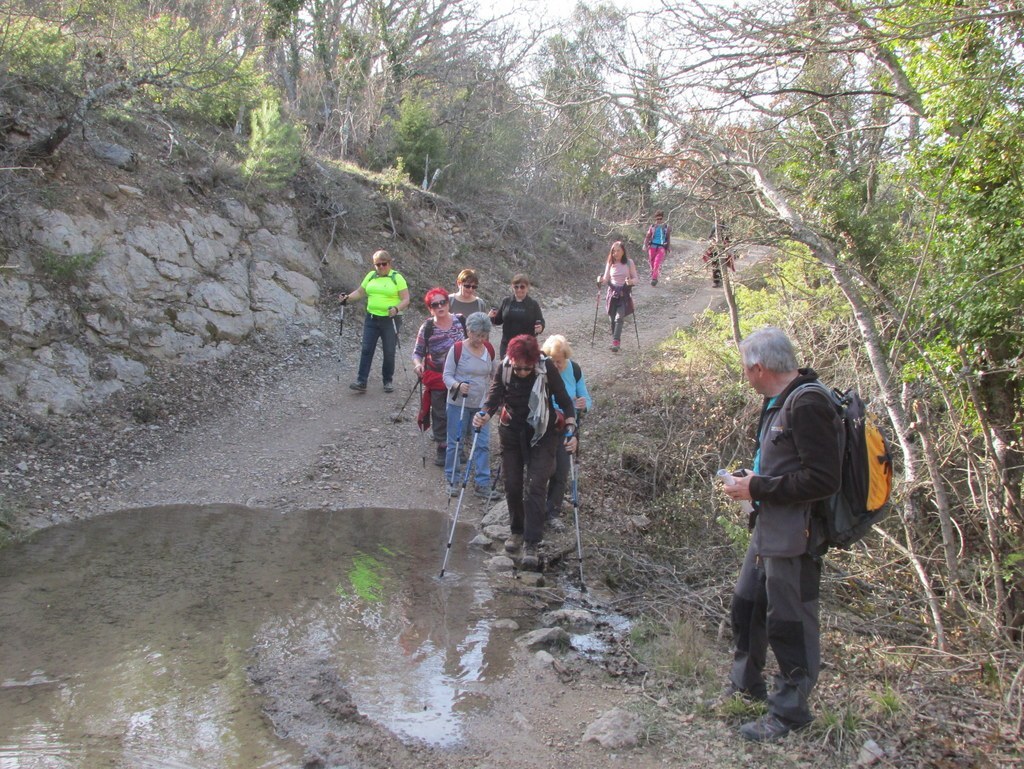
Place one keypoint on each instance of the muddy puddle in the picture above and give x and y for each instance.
(127, 641)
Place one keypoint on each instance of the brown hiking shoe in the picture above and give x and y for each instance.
(513, 543)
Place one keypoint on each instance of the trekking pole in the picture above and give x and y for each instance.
(458, 444)
(497, 476)
(398, 347)
(597, 305)
(636, 328)
(573, 473)
(398, 417)
(423, 427)
(341, 352)
(462, 494)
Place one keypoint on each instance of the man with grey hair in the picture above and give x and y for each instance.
(797, 461)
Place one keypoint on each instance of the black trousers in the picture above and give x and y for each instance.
(775, 606)
(527, 471)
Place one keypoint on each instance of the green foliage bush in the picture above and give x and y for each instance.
(419, 141)
(35, 51)
(275, 147)
(67, 268)
(210, 82)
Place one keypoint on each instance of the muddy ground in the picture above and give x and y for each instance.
(276, 426)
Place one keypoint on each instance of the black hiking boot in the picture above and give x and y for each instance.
(531, 558)
(358, 386)
(767, 728)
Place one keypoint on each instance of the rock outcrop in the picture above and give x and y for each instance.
(114, 292)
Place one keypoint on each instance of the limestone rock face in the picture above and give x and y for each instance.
(116, 292)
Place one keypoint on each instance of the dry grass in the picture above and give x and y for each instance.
(881, 680)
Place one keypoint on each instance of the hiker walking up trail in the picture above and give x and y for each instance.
(518, 314)
(465, 300)
(718, 253)
(529, 431)
(387, 295)
(797, 461)
(557, 348)
(657, 242)
(620, 274)
(468, 369)
(433, 340)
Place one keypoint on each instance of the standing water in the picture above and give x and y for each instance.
(126, 640)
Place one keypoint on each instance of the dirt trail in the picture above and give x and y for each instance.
(305, 440)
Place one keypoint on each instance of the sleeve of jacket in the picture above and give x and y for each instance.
(499, 318)
(540, 315)
(817, 438)
(556, 386)
(450, 369)
(495, 393)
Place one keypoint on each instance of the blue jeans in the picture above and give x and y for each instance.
(385, 329)
(481, 458)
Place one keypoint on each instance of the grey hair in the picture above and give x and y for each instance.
(770, 348)
(478, 322)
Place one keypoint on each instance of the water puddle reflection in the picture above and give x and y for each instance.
(126, 639)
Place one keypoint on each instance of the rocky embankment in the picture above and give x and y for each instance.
(105, 295)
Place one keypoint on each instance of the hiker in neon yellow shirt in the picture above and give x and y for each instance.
(387, 294)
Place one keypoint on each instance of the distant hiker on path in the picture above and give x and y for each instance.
(468, 369)
(433, 340)
(558, 349)
(518, 314)
(529, 432)
(620, 274)
(465, 300)
(718, 253)
(387, 295)
(797, 461)
(657, 242)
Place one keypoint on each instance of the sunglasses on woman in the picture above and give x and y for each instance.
(439, 303)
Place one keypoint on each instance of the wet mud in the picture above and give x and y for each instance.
(232, 637)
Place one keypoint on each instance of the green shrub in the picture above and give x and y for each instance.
(209, 82)
(418, 139)
(33, 50)
(67, 268)
(275, 147)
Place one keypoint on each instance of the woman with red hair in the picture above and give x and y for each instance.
(529, 430)
(436, 336)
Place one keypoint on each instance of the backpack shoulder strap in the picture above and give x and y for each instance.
(490, 348)
(834, 398)
(577, 372)
(458, 351)
(462, 322)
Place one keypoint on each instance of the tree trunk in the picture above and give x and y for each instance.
(826, 254)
